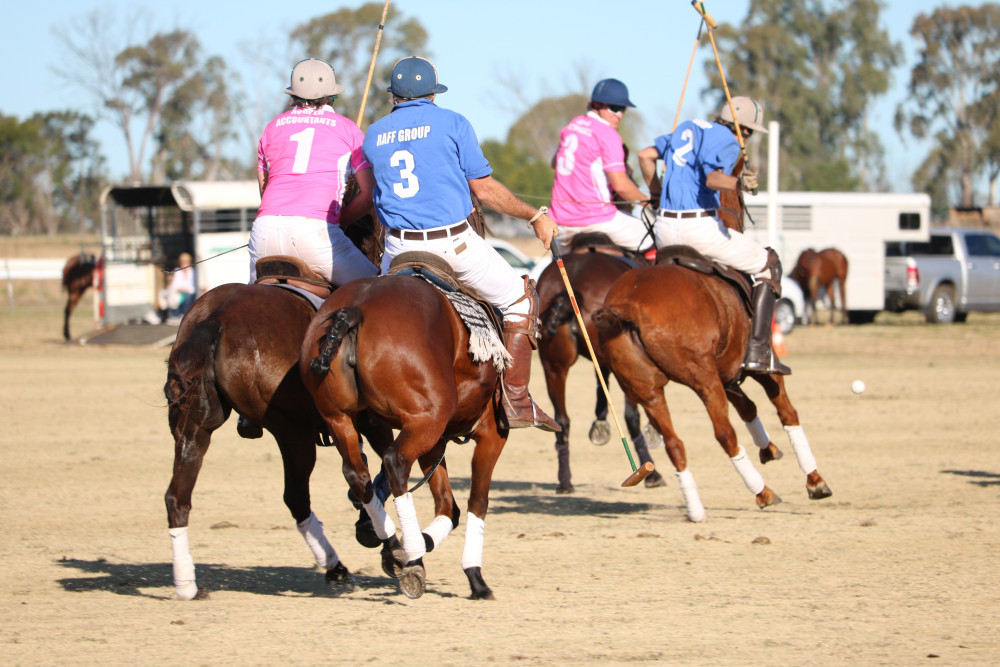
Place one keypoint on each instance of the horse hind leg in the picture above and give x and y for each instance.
(632, 420)
(747, 411)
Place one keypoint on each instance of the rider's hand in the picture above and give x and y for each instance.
(748, 180)
(545, 229)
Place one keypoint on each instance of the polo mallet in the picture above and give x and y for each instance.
(710, 22)
(638, 474)
(371, 67)
(697, 41)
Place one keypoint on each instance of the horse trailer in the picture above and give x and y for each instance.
(145, 228)
(858, 224)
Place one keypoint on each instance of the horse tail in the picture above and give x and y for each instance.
(191, 378)
(557, 314)
(611, 320)
(342, 322)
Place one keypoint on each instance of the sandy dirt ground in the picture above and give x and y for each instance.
(900, 566)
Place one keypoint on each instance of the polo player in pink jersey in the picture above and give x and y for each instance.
(304, 160)
(589, 164)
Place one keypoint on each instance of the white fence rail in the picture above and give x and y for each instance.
(31, 269)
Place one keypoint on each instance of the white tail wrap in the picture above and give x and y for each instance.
(381, 521)
(692, 501)
(475, 537)
(184, 581)
(744, 466)
(438, 529)
(413, 539)
(312, 531)
(758, 433)
(803, 452)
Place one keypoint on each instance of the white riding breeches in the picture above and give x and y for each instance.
(322, 246)
(476, 264)
(710, 236)
(624, 230)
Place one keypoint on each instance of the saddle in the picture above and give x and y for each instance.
(292, 271)
(602, 243)
(690, 258)
(439, 273)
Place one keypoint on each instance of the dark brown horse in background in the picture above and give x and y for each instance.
(669, 322)
(815, 272)
(237, 349)
(395, 346)
(592, 266)
(78, 275)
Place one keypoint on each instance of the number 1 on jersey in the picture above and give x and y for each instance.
(303, 146)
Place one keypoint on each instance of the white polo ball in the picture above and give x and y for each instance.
(857, 386)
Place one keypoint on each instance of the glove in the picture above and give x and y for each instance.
(748, 181)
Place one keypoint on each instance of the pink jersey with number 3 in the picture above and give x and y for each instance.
(581, 195)
(308, 155)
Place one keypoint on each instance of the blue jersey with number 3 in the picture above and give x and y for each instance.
(423, 158)
(690, 153)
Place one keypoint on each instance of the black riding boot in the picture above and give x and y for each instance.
(760, 358)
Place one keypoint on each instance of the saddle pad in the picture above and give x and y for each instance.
(314, 300)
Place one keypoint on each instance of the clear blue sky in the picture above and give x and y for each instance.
(545, 44)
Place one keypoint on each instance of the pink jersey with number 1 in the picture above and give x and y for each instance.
(308, 155)
(581, 195)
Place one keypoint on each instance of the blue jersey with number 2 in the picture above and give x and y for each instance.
(690, 153)
(423, 158)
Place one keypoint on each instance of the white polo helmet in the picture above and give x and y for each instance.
(313, 79)
(749, 114)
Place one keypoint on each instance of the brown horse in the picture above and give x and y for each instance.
(78, 275)
(591, 269)
(395, 345)
(237, 349)
(815, 272)
(669, 322)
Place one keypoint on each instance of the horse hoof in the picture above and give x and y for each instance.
(653, 438)
(819, 491)
(564, 489)
(338, 575)
(480, 591)
(413, 579)
(767, 497)
(654, 479)
(600, 432)
(364, 532)
(393, 557)
(770, 453)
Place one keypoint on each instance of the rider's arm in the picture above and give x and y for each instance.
(362, 200)
(717, 180)
(625, 187)
(647, 165)
(495, 195)
(262, 181)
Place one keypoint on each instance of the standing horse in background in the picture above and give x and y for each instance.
(592, 266)
(395, 345)
(78, 275)
(815, 272)
(237, 349)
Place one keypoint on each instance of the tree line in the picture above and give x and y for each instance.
(819, 65)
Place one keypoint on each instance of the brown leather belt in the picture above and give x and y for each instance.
(707, 213)
(415, 235)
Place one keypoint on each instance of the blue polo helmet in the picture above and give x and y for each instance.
(414, 77)
(612, 92)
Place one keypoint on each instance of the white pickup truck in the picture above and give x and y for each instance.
(953, 274)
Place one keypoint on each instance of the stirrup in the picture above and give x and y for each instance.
(772, 367)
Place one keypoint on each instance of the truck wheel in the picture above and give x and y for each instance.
(941, 309)
(861, 316)
(784, 315)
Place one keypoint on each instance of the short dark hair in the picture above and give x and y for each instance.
(295, 102)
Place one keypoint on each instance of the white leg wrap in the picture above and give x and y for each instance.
(797, 436)
(439, 529)
(744, 466)
(692, 501)
(757, 432)
(312, 531)
(475, 536)
(413, 539)
(183, 564)
(381, 521)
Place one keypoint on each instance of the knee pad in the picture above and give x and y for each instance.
(526, 323)
(771, 273)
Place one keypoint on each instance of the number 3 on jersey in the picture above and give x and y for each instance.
(410, 185)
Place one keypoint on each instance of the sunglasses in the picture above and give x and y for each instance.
(615, 108)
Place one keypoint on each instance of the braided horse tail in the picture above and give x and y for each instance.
(190, 389)
(342, 330)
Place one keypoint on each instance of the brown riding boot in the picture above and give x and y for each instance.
(520, 409)
(760, 357)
